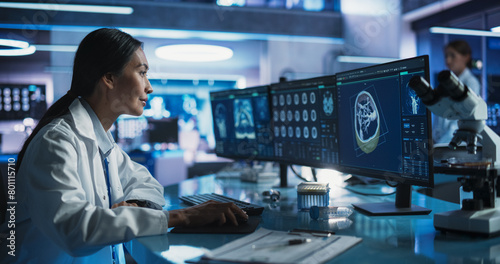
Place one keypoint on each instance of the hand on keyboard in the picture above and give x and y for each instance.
(208, 213)
(250, 209)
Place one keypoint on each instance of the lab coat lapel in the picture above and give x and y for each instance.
(85, 130)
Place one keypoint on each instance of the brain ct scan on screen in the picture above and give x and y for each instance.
(305, 124)
(367, 122)
(382, 124)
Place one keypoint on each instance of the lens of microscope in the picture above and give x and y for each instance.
(422, 89)
(453, 86)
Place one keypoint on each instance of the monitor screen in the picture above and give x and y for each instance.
(384, 128)
(19, 101)
(165, 130)
(305, 122)
(241, 120)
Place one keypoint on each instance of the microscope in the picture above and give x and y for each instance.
(454, 101)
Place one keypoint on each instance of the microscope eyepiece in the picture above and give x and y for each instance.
(423, 90)
(452, 85)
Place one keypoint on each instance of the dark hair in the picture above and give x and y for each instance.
(462, 47)
(102, 51)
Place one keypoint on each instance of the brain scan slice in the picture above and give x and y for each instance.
(243, 119)
(282, 100)
(312, 98)
(220, 119)
(313, 115)
(328, 103)
(366, 122)
(289, 115)
(304, 98)
(305, 115)
(314, 132)
(306, 132)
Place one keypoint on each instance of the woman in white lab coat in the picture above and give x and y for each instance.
(458, 58)
(78, 194)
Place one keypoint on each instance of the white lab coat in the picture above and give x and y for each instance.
(62, 211)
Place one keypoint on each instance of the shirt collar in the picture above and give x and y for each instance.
(104, 139)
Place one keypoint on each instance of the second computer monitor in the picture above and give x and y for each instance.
(384, 128)
(304, 121)
(241, 120)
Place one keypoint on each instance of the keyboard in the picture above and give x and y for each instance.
(251, 209)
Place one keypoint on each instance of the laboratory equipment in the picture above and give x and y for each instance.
(453, 100)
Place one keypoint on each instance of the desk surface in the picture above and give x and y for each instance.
(387, 239)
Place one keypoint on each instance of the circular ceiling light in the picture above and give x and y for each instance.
(15, 48)
(194, 53)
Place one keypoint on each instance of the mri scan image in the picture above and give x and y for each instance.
(243, 119)
(262, 107)
(366, 122)
(220, 119)
(328, 103)
(412, 103)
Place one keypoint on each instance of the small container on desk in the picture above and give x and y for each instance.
(312, 194)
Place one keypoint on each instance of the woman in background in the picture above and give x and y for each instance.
(458, 58)
(78, 194)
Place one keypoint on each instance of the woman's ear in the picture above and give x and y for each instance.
(108, 80)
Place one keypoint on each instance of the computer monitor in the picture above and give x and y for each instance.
(19, 101)
(385, 130)
(305, 122)
(165, 130)
(241, 119)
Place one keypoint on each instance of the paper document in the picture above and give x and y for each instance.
(268, 246)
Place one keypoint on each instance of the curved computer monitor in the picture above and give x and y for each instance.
(241, 119)
(384, 130)
(304, 122)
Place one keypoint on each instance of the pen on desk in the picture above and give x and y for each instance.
(282, 243)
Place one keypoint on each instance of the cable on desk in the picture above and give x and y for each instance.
(298, 175)
(313, 171)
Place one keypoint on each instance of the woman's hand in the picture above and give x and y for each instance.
(123, 204)
(206, 213)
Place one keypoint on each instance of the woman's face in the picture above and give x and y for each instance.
(455, 61)
(132, 86)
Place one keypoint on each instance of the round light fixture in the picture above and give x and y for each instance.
(194, 53)
(16, 48)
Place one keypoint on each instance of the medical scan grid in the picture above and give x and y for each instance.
(305, 122)
(241, 120)
(378, 133)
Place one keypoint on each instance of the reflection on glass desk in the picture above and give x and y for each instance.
(386, 239)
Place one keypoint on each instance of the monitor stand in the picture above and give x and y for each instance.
(402, 205)
(283, 177)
